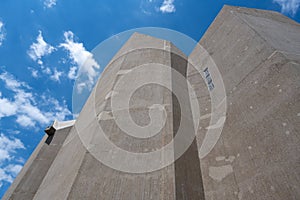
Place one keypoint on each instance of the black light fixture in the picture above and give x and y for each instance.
(50, 130)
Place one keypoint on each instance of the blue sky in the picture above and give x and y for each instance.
(43, 42)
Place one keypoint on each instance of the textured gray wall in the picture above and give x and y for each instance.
(258, 153)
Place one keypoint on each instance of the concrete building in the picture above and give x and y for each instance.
(256, 154)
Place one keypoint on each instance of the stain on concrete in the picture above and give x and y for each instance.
(220, 122)
(122, 72)
(287, 132)
(230, 159)
(223, 158)
(110, 94)
(219, 173)
(220, 158)
(105, 116)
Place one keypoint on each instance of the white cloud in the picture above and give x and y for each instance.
(56, 75)
(4, 155)
(167, 6)
(2, 33)
(147, 6)
(81, 57)
(288, 6)
(28, 108)
(25, 121)
(40, 62)
(36, 52)
(46, 70)
(13, 169)
(20, 160)
(7, 107)
(33, 112)
(61, 111)
(5, 177)
(8, 148)
(49, 3)
(39, 49)
(11, 83)
(72, 72)
(81, 86)
(34, 72)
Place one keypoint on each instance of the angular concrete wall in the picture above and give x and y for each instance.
(95, 180)
(257, 156)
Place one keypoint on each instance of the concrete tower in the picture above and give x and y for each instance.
(256, 156)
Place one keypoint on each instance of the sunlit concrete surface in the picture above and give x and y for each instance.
(258, 154)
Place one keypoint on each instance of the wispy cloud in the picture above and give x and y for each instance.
(56, 75)
(13, 169)
(82, 58)
(28, 108)
(49, 3)
(147, 6)
(39, 49)
(288, 6)
(2, 33)
(72, 72)
(8, 148)
(167, 6)
(25, 121)
(7, 107)
(34, 72)
(4, 176)
(46, 70)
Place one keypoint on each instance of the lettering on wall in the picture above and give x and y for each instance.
(209, 80)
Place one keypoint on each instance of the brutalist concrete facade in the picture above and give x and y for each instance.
(257, 155)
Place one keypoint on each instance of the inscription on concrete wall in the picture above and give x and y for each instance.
(209, 80)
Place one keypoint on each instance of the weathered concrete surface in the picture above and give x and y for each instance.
(258, 155)
(94, 180)
(97, 181)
